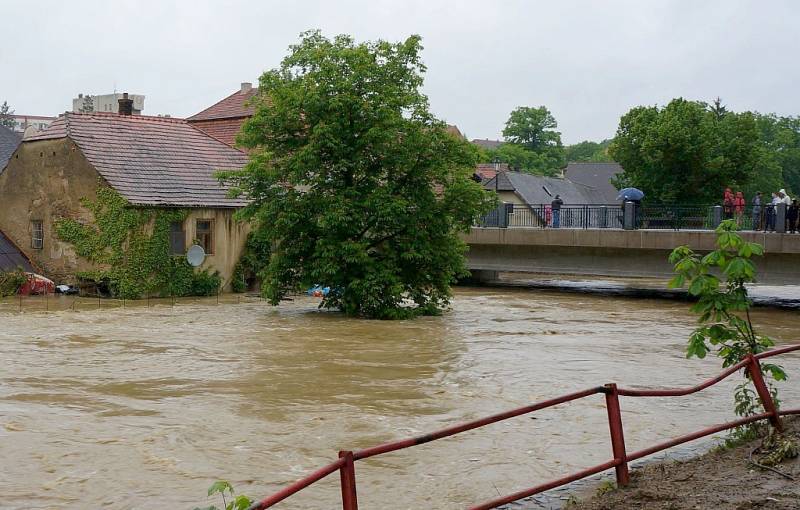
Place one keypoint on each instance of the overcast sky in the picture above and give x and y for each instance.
(588, 62)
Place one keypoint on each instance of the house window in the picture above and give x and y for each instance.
(37, 235)
(177, 238)
(204, 235)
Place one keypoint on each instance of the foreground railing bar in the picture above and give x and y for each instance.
(696, 435)
(547, 486)
(679, 392)
(788, 412)
(299, 485)
(449, 431)
(775, 352)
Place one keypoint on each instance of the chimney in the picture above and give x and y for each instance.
(247, 87)
(125, 105)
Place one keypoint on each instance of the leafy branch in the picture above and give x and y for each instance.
(724, 306)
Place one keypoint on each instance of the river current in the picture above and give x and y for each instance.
(143, 407)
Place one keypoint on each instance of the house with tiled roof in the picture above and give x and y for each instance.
(224, 119)
(152, 162)
(531, 196)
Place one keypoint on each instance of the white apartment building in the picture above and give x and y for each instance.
(108, 103)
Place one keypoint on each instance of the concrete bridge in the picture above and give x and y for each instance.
(613, 252)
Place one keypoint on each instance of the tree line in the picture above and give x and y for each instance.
(684, 152)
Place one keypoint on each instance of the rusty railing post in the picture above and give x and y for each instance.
(617, 435)
(348, 476)
(763, 393)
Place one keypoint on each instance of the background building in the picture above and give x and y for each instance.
(106, 103)
(37, 122)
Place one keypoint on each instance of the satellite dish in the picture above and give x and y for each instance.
(196, 255)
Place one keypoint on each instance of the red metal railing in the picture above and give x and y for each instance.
(345, 464)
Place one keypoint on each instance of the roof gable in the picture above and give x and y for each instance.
(153, 161)
(11, 257)
(231, 107)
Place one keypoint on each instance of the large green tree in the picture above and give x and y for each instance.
(6, 116)
(688, 152)
(780, 137)
(355, 183)
(532, 143)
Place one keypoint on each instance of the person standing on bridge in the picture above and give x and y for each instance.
(757, 211)
(555, 205)
(738, 207)
(727, 204)
(792, 216)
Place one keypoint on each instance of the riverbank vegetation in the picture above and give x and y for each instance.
(352, 181)
(724, 310)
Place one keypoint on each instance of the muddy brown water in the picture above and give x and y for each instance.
(143, 407)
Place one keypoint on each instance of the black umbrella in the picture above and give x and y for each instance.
(630, 194)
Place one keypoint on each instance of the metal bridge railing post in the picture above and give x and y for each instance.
(348, 476)
(763, 393)
(617, 435)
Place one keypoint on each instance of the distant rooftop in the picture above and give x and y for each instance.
(487, 144)
(596, 176)
(537, 189)
(231, 107)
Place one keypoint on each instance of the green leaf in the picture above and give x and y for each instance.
(220, 486)
(756, 249)
(676, 281)
(240, 503)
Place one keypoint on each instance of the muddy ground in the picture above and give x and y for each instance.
(722, 479)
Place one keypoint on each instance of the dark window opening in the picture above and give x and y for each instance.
(204, 235)
(37, 235)
(177, 238)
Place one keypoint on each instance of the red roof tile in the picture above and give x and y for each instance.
(487, 170)
(152, 161)
(232, 106)
(224, 130)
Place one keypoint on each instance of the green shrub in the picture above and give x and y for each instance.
(10, 282)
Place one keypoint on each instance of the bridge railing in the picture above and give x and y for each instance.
(345, 464)
(640, 216)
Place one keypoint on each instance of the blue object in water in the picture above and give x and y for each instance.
(318, 291)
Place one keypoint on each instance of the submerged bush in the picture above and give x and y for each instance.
(11, 281)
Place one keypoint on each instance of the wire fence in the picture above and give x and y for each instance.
(59, 302)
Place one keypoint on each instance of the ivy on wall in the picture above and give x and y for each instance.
(131, 248)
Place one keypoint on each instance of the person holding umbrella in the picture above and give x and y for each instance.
(634, 195)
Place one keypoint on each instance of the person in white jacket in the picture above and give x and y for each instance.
(784, 198)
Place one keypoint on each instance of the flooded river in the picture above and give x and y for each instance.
(143, 407)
